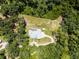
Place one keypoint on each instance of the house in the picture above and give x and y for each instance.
(36, 33)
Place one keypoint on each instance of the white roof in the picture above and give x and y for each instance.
(4, 45)
(36, 33)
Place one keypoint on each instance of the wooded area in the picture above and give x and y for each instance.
(67, 45)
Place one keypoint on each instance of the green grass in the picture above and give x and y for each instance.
(42, 52)
(48, 24)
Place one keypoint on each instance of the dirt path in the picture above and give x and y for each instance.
(36, 44)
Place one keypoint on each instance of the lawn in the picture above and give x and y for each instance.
(49, 25)
(42, 52)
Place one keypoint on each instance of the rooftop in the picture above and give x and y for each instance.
(36, 33)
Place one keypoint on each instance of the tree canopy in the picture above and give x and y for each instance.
(67, 45)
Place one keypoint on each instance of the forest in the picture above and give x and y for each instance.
(67, 45)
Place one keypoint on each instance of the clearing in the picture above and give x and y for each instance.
(47, 27)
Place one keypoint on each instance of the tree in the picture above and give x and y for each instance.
(71, 24)
(12, 8)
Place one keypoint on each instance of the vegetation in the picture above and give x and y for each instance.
(67, 45)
